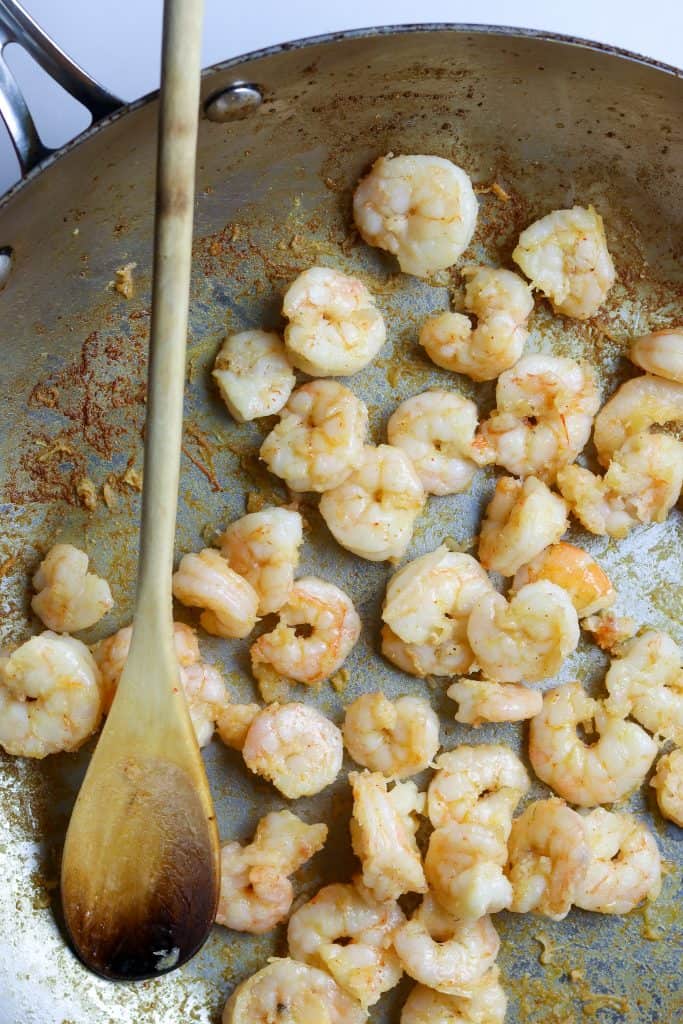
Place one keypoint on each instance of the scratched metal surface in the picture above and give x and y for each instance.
(554, 123)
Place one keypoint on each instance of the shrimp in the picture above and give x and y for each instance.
(373, 512)
(667, 782)
(444, 953)
(477, 785)
(660, 353)
(256, 893)
(291, 993)
(610, 630)
(573, 569)
(464, 868)
(205, 580)
(522, 519)
(545, 408)
(502, 302)
(398, 738)
(527, 638)
(480, 700)
(253, 374)
(383, 828)
(436, 430)
(50, 696)
(646, 682)
(593, 773)
(317, 630)
(548, 854)
(421, 209)
(565, 256)
(624, 866)
(636, 406)
(69, 598)
(345, 931)
(295, 747)
(445, 659)
(485, 1003)
(233, 723)
(263, 547)
(319, 439)
(334, 327)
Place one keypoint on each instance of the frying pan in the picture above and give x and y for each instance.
(287, 133)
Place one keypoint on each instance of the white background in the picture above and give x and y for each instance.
(117, 41)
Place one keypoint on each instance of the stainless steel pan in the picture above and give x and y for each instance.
(287, 133)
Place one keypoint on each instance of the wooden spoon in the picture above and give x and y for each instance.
(140, 872)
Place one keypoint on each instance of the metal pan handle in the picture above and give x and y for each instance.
(17, 26)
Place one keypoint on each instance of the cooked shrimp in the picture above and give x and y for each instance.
(263, 547)
(565, 256)
(548, 854)
(50, 697)
(443, 953)
(543, 419)
(348, 933)
(668, 785)
(334, 327)
(477, 785)
(501, 302)
(609, 630)
(587, 774)
(646, 682)
(233, 723)
(205, 580)
(317, 630)
(383, 828)
(660, 353)
(485, 1003)
(253, 374)
(69, 598)
(291, 993)
(445, 659)
(624, 867)
(256, 893)
(464, 868)
(398, 737)
(373, 512)
(636, 406)
(522, 519)
(421, 209)
(436, 430)
(573, 569)
(319, 439)
(480, 700)
(527, 638)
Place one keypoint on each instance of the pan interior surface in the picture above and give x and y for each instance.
(554, 124)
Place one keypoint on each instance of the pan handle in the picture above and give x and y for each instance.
(17, 26)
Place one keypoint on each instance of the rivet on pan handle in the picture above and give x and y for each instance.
(233, 102)
(17, 26)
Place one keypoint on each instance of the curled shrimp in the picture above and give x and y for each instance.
(295, 747)
(50, 696)
(480, 700)
(383, 827)
(436, 430)
(291, 993)
(624, 867)
(548, 854)
(444, 953)
(398, 737)
(484, 1003)
(573, 569)
(317, 629)
(636, 406)
(421, 209)
(526, 638)
(256, 893)
(587, 773)
(373, 512)
(522, 519)
(443, 659)
(334, 327)
(502, 302)
(205, 580)
(660, 353)
(69, 598)
(667, 783)
(345, 931)
(253, 374)
(263, 547)
(464, 868)
(646, 682)
(319, 439)
(565, 256)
